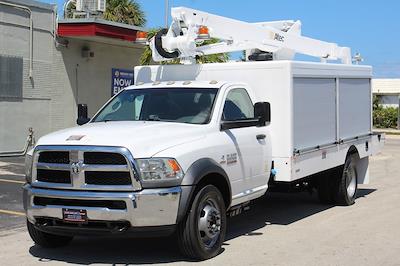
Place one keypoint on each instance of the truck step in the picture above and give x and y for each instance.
(238, 209)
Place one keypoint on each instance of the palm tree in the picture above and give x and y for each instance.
(123, 11)
(71, 7)
(145, 58)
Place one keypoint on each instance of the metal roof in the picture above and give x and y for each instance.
(101, 21)
(386, 86)
(99, 30)
(32, 3)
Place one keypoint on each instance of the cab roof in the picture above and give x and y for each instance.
(212, 84)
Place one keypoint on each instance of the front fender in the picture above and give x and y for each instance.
(194, 175)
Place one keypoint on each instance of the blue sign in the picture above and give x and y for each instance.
(120, 78)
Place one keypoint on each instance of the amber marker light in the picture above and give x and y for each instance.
(174, 165)
(141, 37)
(203, 33)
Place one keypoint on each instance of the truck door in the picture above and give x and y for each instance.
(247, 144)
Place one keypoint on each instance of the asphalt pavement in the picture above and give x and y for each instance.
(11, 180)
(279, 229)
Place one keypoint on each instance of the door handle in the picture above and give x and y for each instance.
(261, 136)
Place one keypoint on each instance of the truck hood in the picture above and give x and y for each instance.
(142, 138)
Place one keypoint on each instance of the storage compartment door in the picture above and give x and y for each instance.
(354, 107)
(314, 112)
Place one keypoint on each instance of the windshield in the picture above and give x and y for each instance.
(183, 105)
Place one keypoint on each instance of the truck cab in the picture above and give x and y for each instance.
(196, 120)
(139, 162)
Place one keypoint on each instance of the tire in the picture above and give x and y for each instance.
(346, 185)
(202, 231)
(325, 187)
(47, 240)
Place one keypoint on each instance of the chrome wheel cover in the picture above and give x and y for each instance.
(351, 180)
(209, 223)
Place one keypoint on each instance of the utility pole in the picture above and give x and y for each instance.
(166, 13)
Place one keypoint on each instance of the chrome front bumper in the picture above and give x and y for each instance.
(149, 207)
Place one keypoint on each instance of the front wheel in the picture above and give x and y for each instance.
(202, 232)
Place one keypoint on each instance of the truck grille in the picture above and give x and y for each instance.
(108, 178)
(104, 158)
(53, 176)
(54, 157)
(84, 167)
(110, 204)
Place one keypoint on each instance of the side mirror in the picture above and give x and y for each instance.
(82, 114)
(262, 111)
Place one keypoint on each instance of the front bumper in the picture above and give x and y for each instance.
(146, 208)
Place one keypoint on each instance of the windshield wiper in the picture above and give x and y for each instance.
(153, 118)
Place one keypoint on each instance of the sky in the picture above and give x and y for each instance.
(370, 27)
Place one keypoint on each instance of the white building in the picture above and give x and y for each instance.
(388, 91)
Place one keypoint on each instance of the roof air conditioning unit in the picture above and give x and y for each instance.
(91, 5)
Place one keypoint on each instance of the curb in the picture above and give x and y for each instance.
(387, 131)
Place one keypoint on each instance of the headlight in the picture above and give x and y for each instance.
(159, 169)
(28, 168)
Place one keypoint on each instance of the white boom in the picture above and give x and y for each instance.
(281, 38)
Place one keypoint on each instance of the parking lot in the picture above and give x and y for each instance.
(11, 180)
(279, 229)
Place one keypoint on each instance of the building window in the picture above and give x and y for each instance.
(11, 71)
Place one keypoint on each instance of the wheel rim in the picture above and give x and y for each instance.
(209, 225)
(351, 180)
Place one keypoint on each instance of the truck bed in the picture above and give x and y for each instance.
(318, 110)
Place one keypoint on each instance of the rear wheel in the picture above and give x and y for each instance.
(339, 186)
(346, 190)
(202, 232)
(47, 240)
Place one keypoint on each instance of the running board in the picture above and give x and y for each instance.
(238, 209)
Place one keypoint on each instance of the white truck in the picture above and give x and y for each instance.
(189, 144)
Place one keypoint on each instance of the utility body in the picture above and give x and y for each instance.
(189, 144)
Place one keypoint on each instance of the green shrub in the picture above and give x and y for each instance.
(385, 117)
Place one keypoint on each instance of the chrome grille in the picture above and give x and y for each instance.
(110, 204)
(104, 158)
(53, 176)
(107, 178)
(61, 157)
(84, 167)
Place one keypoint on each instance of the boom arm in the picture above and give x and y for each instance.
(282, 38)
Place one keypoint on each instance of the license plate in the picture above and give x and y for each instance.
(74, 215)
